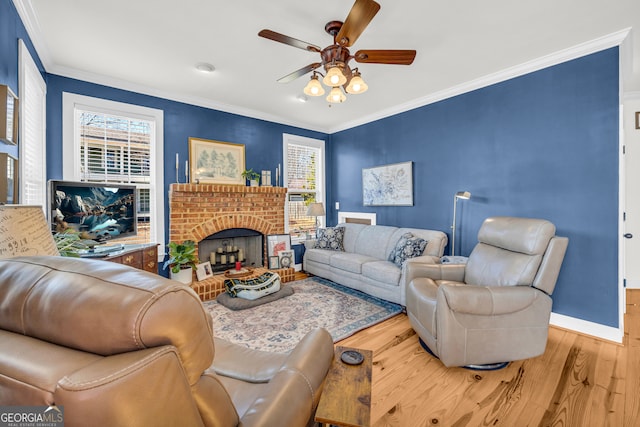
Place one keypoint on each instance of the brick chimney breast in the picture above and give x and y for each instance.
(197, 211)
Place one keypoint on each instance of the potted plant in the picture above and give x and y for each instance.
(252, 176)
(182, 260)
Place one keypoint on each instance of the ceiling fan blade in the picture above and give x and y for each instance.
(359, 17)
(272, 35)
(299, 73)
(400, 57)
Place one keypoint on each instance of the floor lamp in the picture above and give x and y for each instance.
(316, 209)
(464, 195)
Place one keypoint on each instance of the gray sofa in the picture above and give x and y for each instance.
(364, 265)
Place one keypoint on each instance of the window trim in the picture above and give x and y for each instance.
(320, 180)
(71, 144)
(27, 66)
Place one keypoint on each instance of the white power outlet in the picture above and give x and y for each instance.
(337, 206)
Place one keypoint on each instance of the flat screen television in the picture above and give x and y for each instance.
(103, 211)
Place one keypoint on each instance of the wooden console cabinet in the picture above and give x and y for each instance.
(143, 257)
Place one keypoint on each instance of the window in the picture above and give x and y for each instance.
(32, 116)
(119, 143)
(303, 175)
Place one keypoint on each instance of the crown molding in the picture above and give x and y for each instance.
(28, 17)
(583, 49)
(104, 80)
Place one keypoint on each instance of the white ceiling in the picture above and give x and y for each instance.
(152, 47)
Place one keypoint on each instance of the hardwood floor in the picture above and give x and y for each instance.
(579, 381)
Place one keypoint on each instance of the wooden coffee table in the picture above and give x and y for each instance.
(346, 396)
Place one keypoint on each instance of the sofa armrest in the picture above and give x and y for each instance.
(246, 364)
(310, 244)
(435, 271)
(109, 390)
(486, 300)
(291, 397)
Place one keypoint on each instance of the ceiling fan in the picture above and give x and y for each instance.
(335, 58)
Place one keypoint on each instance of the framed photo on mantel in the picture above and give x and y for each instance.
(216, 162)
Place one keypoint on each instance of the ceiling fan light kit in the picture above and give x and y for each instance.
(336, 96)
(314, 88)
(336, 57)
(335, 76)
(356, 84)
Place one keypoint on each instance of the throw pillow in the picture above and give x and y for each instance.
(330, 238)
(408, 246)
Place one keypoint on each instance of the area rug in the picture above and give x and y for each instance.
(279, 325)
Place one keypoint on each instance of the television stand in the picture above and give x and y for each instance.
(141, 256)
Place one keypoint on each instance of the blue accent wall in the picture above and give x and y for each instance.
(543, 145)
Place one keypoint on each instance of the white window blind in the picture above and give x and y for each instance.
(118, 143)
(117, 149)
(303, 174)
(32, 134)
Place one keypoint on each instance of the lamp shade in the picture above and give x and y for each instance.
(314, 88)
(334, 77)
(463, 195)
(315, 209)
(336, 96)
(356, 84)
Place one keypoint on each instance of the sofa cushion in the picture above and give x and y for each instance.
(330, 238)
(350, 262)
(351, 232)
(373, 241)
(321, 256)
(382, 271)
(408, 246)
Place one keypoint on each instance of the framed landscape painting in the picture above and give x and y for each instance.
(388, 185)
(216, 162)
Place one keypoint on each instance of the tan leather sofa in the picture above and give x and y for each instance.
(116, 346)
(496, 308)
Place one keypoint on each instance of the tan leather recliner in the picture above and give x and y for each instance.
(116, 346)
(496, 308)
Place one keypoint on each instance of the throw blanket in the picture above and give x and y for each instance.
(251, 289)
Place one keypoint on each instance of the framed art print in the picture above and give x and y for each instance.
(286, 259)
(277, 243)
(203, 270)
(274, 262)
(216, 162)
(388, 185)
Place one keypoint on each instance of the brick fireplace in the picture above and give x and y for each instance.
(198, 211)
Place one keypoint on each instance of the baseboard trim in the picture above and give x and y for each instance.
(585, 327)
(633, 284)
